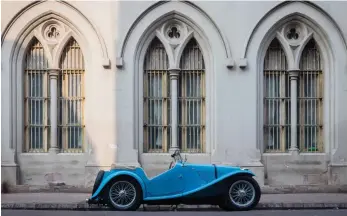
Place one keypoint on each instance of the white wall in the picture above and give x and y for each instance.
(233, 130)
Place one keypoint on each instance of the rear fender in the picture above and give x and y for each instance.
(244, 172)
(108, 178)
(220, 179)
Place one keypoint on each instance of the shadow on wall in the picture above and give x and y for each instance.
(28, 80)
(66, 167)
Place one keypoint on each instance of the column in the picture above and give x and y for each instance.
(174, 109)
(293, 74)
(53, 78)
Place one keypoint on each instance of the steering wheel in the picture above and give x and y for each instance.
(176, 153)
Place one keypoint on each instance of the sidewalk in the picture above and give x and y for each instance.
(76, 201)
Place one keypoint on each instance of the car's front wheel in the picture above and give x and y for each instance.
(243, 194)
(124, 194)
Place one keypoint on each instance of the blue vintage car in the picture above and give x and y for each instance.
(125, 189)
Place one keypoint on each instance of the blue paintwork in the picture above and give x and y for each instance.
(181, 180)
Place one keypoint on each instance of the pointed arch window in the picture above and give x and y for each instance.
(71, 98)
(277, 100)
(36, 99)
(156, 99)
(157, 128)
(310, 100)
(276, 90)
(191, 99)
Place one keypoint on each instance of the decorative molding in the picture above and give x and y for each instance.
(52, 31)
(294, 36)
(243, 63)
(106, 62)
(332, 48)
(174, 34)
(282, 5)
(160, 3)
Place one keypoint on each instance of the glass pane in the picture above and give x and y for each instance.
(71, 98)
(156, 99)
(276, 91)
(310, 100)
(36, 98)
(191, 101)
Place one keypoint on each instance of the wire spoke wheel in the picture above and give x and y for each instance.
(122, 194)
(242, 193)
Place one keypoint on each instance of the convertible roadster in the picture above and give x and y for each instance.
(125, 189)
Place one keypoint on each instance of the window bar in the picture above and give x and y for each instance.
(45, 101)
(155, 99)
(72, 99)
(311, 138)
(191, 100)
(164, 93)
(275, 99)
(34, 98)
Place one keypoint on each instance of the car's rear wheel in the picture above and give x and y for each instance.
(243, 194)
(124, 194)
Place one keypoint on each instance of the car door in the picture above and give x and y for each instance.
(192, 178)
(168, 183)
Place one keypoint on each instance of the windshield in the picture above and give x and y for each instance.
(177, 156)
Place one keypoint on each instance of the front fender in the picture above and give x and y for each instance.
(113, 174)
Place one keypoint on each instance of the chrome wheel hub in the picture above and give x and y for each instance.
(242, 193)
(122, 194)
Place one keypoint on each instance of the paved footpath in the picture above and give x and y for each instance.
(76, 201)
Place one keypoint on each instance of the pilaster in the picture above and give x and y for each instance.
(293, 74)
(53, 77)
(173, 73)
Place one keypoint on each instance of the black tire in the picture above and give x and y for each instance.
(135, 204)
(228, 204)
(97, 181)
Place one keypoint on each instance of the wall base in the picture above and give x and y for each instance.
(52, 169)
(10, 173)
(338, 174)
(90, 173)
(302, 169)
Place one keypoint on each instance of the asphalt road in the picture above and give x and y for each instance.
(187, 213)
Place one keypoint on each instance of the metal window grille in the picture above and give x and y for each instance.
(36, 99)
(191, 100)
(310, 100)
(156, 99)
(71, 99)
(276, 87)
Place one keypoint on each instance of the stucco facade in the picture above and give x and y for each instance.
(233, 38)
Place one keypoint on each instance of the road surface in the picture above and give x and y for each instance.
(342, 212)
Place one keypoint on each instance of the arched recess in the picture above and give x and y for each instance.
(160, 28)
(163, 9)
(71, 94)
(287, 8)
(36, 98)
(34, 6)
(191, 103)
(276, 99)
(156, 102)
(36, 21)
(313, 24)
(311, 100)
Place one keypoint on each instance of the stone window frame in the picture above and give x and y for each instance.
(293, 50)
(53, 49)
(281, 137)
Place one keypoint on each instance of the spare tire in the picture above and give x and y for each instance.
(98, 180)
